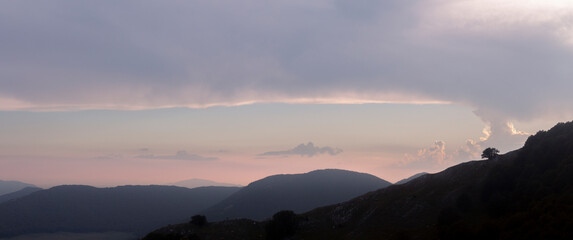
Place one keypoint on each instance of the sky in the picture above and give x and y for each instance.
(110, 93)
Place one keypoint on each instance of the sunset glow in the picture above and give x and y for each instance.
(143, 92)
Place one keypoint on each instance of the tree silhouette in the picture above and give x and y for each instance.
(199, 220)
(282, 225)
(490, 153)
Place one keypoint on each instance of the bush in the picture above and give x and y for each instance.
(199, 220)
(282, 225)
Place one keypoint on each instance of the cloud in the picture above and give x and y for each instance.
(509, 59)
(180, 155)
(497, 134)
(501, 134)
(110, 157)
(470, 151)
(432, 156)
(308, 150)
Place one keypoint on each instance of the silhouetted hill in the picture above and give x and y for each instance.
(297, 192)
(136, 209)
(18, 194)
(196, 182)
(524, 194)
(12, 186)
(405, 180)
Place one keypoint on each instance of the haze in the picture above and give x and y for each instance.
(144, 92)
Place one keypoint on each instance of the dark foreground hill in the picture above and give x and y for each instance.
(525, 194)
(405, 180)
(136, 209)
(298, 192)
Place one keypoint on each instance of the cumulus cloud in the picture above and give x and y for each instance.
(497, 134)
(308, 150)
(470, 150)
(503, 136)
(180, 155)
(512, 58)
(427, 157)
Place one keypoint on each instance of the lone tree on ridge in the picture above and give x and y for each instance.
(490, 153)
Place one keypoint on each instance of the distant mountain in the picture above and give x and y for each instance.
(405, 180)
(196, 182)
(137, 209)
(18, 194)
(524, 194)
(12, 186)
(297, 192)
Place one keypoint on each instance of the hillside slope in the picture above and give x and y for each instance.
(524, 194)
(405, 180)
(297, 192)
(136, 209)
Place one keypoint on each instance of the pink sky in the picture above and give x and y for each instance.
(143, 92)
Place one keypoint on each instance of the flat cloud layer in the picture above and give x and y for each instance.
(509, 60)
(308, 150)
(180, 155)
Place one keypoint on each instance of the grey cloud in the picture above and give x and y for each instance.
(110, 157)
(502, 136)
(194, 53)
(308, 150)
(430, 157)
(180, 155)
(470, 151)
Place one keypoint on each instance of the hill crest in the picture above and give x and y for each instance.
(298, 192)
(81, 208)
(523, 194)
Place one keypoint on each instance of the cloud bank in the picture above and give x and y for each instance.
(180, 155)
(308, 150)
(509, 60)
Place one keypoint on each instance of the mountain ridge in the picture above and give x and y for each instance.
(405, 180)
(12, 186)
(487, 199)
(18, 194)
(81, 208)
(297, 192)
(523, 194)
(198, 182)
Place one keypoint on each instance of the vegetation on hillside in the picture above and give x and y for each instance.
(524, 194)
